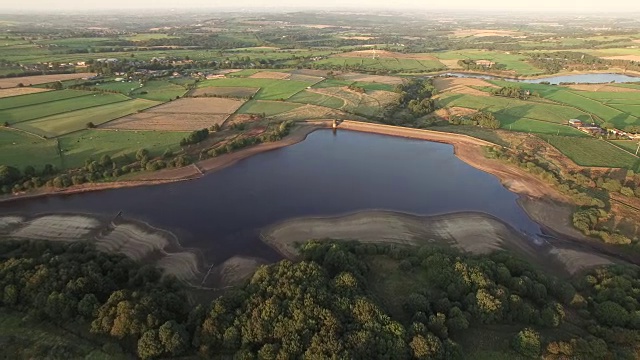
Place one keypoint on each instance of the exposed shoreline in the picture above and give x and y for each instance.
(473, 232)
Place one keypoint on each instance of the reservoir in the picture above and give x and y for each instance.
(327, 174)
(555, 80)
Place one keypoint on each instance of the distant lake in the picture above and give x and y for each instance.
(326, 174)
(582, 79)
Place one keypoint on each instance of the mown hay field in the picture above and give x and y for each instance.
(60, 124)
(40, 79)
(166, 122)
(20, 91)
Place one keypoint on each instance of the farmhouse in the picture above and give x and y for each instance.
(575, 122)
(485, 63)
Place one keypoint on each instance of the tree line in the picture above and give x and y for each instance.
(324, 305)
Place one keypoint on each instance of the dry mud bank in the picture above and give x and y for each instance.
(136, 240)
(476, 233)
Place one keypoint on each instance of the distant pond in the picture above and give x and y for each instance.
(555, 80)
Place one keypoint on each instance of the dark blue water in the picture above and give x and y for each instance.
(579, 79)
(326, 174)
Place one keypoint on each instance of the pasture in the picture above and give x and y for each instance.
(20, 149)
(514, 109)
(589, 151)
(80, 146)
(26, 113)
(159, 90)
(39, 98)
(269, 108)
(513, 62)
(270, 89)
(606, 106)
(629, 145)
(308, 97)
(60, 124)
(233, 92)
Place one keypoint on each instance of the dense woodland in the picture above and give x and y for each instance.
(323, 306)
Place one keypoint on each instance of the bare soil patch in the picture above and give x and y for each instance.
(186, 172)
(451, 64)
(270, 75)
(601, 87)
(461, 85)
(447, 113)
(199, 106)
(236, 92)
(623, 57)
(20, 91)
(8, 221)
(236, 270)
(41, 79)
(182, 265)
(166, 121)
(57, 228)
(576, 261)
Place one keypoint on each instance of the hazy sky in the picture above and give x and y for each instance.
(619, 6)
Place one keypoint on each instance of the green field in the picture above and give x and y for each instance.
(57, 125)
(370, 86)
(332, 83)
(590, 151)
(614, 107)
(38, 98)
(515, 62)
(270, 89)
(122, 87)
(514, 109)
(307, 97)
(26, 113)
(629, 145)
(23, 339)
(20, 149)
(159, 90)
(269, 108)
(78, 147)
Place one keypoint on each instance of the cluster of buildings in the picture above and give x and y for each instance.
(595, 130)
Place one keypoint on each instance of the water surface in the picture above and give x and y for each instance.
(555, 80)
(222, 212)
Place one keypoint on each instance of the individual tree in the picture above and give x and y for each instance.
(527, 343)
